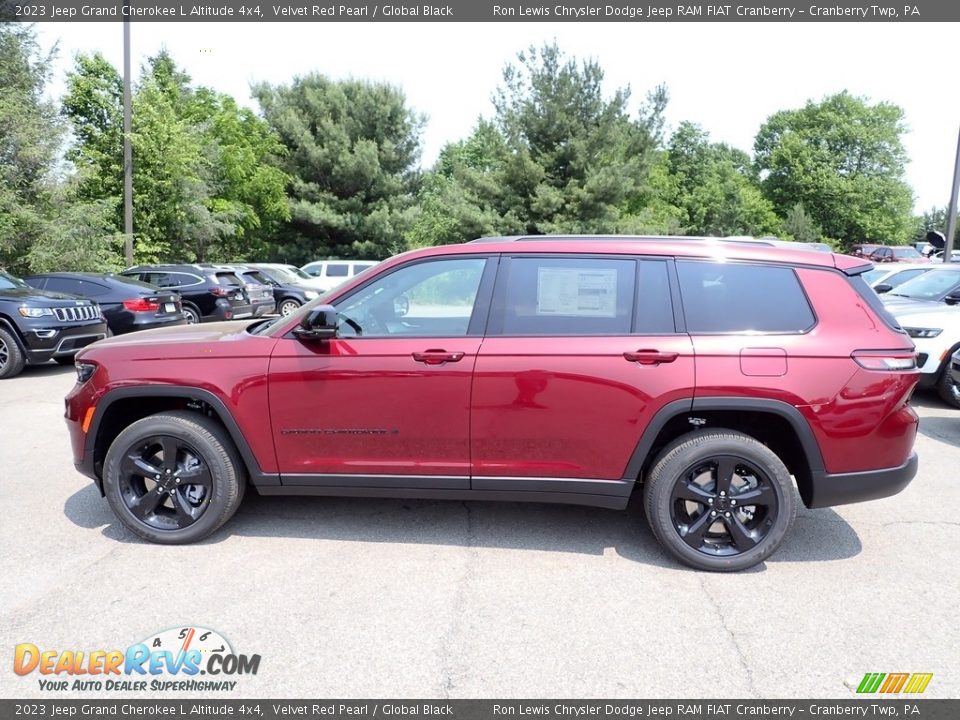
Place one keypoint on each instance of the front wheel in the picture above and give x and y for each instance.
(173, 478)
(12, 360)
(947, 387)
(719, 500)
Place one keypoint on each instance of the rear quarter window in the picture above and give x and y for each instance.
(742, 298)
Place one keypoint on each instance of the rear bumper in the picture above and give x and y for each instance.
(844, 488)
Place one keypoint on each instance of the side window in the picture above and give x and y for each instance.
(567, 296)
(64, 285)
(427, 299)
(337, 270)
(161, 279)
(740, 298)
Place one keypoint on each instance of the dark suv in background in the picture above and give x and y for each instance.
(715, 378)
(126, 303)
(36, 325)
(208, 293)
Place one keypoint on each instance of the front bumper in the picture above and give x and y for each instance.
(844, 488)
(44, 342)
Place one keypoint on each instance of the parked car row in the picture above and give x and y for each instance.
(52, 315)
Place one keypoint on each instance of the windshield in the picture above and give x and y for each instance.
(872, 276)
(933, 285)
(906, 252)
(9, 282)
(298, 272)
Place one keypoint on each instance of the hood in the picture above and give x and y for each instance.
(927, 315)
(43, 298)
(204, 334)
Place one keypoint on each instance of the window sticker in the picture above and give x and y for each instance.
(577, 292)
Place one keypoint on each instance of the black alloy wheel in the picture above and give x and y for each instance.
(165, 483)
(174, 477)
(719, 500)
(723, 505)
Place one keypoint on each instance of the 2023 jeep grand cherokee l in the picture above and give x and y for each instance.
(550, 369)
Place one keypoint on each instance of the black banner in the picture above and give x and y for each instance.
(874, 707)
(473, 11)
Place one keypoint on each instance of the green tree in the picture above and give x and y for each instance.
(30, 137)
(843, 158)
(206, 184)
(352, 153)
(713, 187)
(559, 156)
(800, 226)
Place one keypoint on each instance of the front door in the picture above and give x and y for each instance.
(387, 402)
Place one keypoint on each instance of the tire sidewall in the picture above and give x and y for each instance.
(223, 475)
(15, 360)
(657, 494)
(194, 315)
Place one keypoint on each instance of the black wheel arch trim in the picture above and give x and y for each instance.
(254, 472)
(686, 406)
(7, 325)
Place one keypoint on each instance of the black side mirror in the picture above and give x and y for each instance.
(882, 288)
(953, 297)
(319, 324)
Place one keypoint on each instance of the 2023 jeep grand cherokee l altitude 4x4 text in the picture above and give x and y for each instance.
(554, 369)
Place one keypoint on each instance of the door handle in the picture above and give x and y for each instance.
(651, 357)
(437, 357)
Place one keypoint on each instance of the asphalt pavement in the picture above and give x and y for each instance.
(393, 598)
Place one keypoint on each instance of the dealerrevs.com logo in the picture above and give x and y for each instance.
(173, 661)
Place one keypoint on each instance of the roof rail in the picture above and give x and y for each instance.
(627, 238)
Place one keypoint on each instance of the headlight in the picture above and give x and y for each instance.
(35, 312)
(311, 294)
(85, 371)
(923, 332)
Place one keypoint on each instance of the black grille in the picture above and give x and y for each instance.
(921, 359)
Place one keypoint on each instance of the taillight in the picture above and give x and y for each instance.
(141, 305)
(221, 291)
(885, 360)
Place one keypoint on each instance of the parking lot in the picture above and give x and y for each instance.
(392, 598)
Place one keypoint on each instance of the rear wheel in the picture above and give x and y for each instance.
(173, 478)
(12, 361)
(192, 314)
(287, 307)
(719, 500)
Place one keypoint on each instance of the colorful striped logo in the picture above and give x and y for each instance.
(894, 683)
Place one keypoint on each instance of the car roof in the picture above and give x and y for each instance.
(667, 246)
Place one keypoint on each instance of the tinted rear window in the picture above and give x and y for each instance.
(742, 298)
(227, 279)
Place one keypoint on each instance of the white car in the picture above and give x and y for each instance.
(330, 273)
(935, 329)
(894, 274)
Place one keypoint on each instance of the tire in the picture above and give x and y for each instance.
(288, 306)
(12, 360)
(947, 387)
(199, 449)
(193, 315)
(65, 360)
(681, 490)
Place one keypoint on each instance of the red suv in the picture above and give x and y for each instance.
(712, 376)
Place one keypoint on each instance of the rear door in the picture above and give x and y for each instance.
(580, 352)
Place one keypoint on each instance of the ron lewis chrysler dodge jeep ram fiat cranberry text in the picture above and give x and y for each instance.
(713, 376)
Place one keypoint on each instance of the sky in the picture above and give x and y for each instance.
(727, 77)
